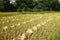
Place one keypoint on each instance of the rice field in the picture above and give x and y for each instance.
(34, 26)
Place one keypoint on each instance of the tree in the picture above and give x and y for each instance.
(6, 6)
(24, 4)
(30, 5)
(1, 5)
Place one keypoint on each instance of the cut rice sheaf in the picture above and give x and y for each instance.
(5, 27)
(29, 31)
(34, 28)
(23, 36)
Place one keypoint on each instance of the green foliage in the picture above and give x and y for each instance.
(1, 5)
(30, 5)
(24, 5)
(37, 5)
(6, 6)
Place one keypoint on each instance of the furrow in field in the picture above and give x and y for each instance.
(47, 31)
(30, 31)
(35, 28)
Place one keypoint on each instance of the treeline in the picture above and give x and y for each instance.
(29, 5)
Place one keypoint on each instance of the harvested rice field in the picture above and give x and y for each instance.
(30, 26)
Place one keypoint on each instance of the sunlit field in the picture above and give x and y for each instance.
(32, 26)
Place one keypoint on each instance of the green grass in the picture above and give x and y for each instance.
(45, 32)
(57, 35)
